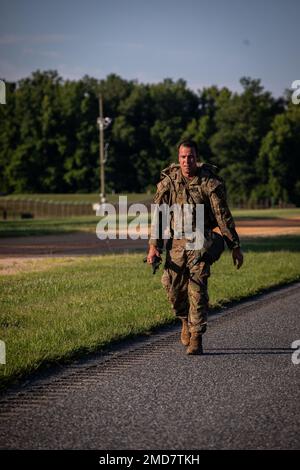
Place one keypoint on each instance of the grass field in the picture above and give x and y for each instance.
(241, 214)
(28, 227)
(76, 306)
(92, 197)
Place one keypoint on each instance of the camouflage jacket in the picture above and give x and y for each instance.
(205, 188)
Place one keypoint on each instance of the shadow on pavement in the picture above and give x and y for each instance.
(246, 351)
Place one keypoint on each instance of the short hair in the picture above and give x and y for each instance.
(188, 143)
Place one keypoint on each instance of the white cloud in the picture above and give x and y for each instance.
(48, 54)
(126, 45)
(10, 39)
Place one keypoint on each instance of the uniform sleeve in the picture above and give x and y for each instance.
(221, 211)
(162, 196)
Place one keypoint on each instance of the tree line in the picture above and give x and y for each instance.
(49, 139)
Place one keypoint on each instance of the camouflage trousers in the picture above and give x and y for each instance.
(186, 286)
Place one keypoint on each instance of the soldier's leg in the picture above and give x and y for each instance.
(198, 294)
(175, 280)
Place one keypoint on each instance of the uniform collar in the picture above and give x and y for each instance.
(190, 182)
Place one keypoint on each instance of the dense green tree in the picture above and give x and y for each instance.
(202, 129)
(33, 161)
(242, 122)
(49, 138)
(174, 106)
(279, 155)
(80, 140)
(9, 136)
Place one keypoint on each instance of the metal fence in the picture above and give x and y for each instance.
(35, 208)
(13, 208)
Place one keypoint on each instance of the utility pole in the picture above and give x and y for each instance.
(103, 123)
(101, 149)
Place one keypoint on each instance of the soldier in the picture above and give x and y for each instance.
(186, 272)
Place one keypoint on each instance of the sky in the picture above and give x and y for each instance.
(205, 42)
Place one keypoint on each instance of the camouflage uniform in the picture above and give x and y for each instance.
(185, 277)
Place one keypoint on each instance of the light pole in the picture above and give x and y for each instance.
(103, 124)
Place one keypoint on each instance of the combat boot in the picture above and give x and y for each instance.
(195, 346)
(185, 334)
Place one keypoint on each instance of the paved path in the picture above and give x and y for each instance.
(242, 394)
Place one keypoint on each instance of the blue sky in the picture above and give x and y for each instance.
(204, 42)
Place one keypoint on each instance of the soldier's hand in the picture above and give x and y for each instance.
(237, 256)
(152, 253)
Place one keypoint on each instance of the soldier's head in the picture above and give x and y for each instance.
(187, 157)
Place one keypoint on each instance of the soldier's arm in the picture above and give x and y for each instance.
(219, 206)
(162, 195)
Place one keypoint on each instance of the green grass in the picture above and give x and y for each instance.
(290, 243)
(91, 197)
(23, 228)
(240, 214)
(68, 310)
(29, 227)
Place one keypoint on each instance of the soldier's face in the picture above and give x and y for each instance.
(187, 161)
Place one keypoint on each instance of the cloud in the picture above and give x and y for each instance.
(126, 45)
(11, 39)
(47, 54)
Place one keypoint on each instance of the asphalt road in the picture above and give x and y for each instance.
(242, 394)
